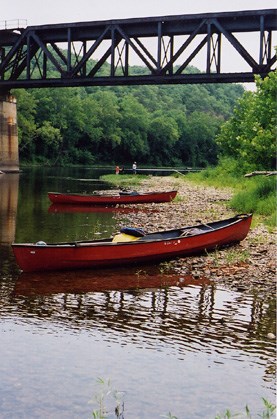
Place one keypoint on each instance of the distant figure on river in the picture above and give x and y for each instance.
(134, 168)
(117, 170)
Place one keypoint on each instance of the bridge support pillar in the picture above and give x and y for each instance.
(9, 159)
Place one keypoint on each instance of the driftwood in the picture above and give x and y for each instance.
(256, 173)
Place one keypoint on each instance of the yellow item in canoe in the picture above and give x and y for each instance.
(122, 237)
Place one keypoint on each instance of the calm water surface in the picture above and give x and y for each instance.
(165, 343)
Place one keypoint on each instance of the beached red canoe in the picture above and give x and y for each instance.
(105, 199)
(131, 246)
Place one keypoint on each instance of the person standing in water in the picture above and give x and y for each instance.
(134, 168)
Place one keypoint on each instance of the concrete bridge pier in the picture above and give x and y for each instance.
(9, 158)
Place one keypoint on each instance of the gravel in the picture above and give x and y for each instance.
(249, 266)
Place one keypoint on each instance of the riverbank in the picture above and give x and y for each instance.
(245, 266)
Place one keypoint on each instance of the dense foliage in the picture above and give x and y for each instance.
(249, 135)
(159, 125)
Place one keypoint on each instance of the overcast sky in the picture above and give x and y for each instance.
(38, 12)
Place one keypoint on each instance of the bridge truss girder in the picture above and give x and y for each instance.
(77, 54)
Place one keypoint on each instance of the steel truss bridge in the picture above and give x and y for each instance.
(100, 53)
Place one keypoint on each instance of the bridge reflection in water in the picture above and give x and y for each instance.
(9, 184)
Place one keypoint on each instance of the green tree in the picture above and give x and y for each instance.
(196, 145)
(134, 126)
(49, 139)
(163, 135)
(250, 134)
(26, 111)
(109, 117)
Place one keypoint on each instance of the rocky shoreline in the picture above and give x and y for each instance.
(250, 265)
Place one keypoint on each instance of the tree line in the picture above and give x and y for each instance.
(154, 125)
(179, 125)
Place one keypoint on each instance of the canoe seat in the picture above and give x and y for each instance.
(191, 232)
(159, 236)
(154, 236)
(131, 193)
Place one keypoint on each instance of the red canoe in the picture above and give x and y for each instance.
(121, 198)
(140, 247)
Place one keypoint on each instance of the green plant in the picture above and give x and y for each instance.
(226, 415)
(108, 395)
(267, 413)
(236, 255)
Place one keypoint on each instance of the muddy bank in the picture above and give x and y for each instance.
(248, 265)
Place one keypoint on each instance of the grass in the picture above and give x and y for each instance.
(256, 194)
(124, 181)
(234, 256)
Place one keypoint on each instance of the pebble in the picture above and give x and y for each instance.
(252, 263)
(271, 336)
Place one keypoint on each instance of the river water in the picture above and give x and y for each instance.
(143, 339)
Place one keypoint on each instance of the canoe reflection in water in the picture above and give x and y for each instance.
(71, 208)
(151, 308)
(83, 281)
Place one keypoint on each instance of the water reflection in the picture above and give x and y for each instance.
(9, 184)
(55, 208)
(142, 322)
(151, 309)
(83, 281)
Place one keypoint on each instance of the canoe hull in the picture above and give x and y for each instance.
(156, 197)
(80, 255)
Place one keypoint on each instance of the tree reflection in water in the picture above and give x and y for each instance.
(151, 309)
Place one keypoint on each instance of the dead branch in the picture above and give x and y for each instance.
(262, 172)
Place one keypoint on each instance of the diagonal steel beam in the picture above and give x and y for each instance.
(237, 45)
(145, 50)
(89, 53)
(134, 47)
(184, 46)
(104, 58)
(26, 57)
(47, 52)
(13, 51)
(59, 52)
(192, 55)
